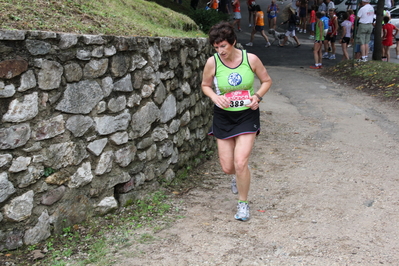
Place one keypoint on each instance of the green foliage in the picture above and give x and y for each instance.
(205, 19)
(48, 171)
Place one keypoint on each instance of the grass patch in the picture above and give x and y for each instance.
(120, 17)
(377, 78)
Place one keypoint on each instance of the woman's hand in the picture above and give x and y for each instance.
(254, 103)
(221, 101)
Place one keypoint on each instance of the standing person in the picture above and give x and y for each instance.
(331, 35)
(259, 26)
(214, 4)
(318, 41)
(236, 120)
(397, 44)
(322, 6)
(330, 5)
(292, 18)
(346, 35)
(312, 21)
(272, 11)
(387, 37)
(303, 11)
(251, 12)
(351, 18)
(237, 14)
(365, 16)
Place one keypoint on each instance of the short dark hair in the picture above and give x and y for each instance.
(386, 19)
(222, 31)
(345, 16)
(319, 14)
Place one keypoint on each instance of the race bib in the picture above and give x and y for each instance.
(239, 98)
(272, 13)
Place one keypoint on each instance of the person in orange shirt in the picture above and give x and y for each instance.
(259, 25)
(237, 14)
(214, 4)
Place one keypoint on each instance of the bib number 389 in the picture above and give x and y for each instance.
(239, 98)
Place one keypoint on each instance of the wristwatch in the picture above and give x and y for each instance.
(257, 95)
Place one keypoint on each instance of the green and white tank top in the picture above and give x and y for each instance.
(235, 83)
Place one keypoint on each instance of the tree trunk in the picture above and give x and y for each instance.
(377, 53)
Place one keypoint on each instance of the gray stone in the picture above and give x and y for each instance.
(79, 124)
(36, 47)
(124, 84)
(154, 55)
(174, 126)
(8, 91)
(53, 196)
(106, 205)
(50, 128)
(139, 179)
(160, 93)
(20, 164)
(12, 68)
(95, 68)
(143, 118)
(67, 40)
(106, 125)
(20, 208)
(96, 147)
(147, 90)
(84, 55)
(93, 39)
(148, 73)
(49, 76)
(152, 152)
(98, 52)
(169, 74)
(120, 64)
(187, 72)
(80, 98)
(118, 138)
(145, 143)
(6, 187)
(138, 62)
(83, 176)
(12, 35)
(14, 136)
(169, 175)
(166, 44)
(5, 159)
(22, 111)
(125, 156)
(109, 51)
(12, 239)
(31, 176)
(142, 155)
(64, 154)
(111, 179)
(43, 34)
(166, 149)
(28, 81)
(185, 118)
(117, 104)
(73, 72)
(40, 232)
(101, 107)
(159, 134)
(105, 163)
(185, 87)
(107, 84)
(58, 178)
(183, 55)
(134, 100)
(168, 109)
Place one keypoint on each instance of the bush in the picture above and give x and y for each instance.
(205, 19)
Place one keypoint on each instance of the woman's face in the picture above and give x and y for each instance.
(224, 48)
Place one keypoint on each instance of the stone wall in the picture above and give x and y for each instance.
(87, 121)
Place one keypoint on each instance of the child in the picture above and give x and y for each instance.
(352, 18)
(292, 18)
(387, 38)
(346, 35)
(318, 41)
(312, 22)
(259, 25)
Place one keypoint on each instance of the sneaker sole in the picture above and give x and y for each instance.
(243, 219)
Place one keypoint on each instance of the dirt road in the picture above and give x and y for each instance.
(324, 187)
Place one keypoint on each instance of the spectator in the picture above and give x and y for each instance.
(292, 18)
(346, 35)
(352, 5)
(272, 11)
(303, 10)
(322, 6)
(214, 4)
(331, 36)
(351, 18)
(387, 38)
(312, 21)
(223, 6)
(365, 17)
(237, 14)
(259, 26)
(397, 44)
(388, 4)
(330, 5)
(318, 41)
(251, 12)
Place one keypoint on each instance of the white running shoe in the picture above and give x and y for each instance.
(249, 44)
(332, 56)
(242, 212)
(267, 44)
(325, 55)
(250, 25)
